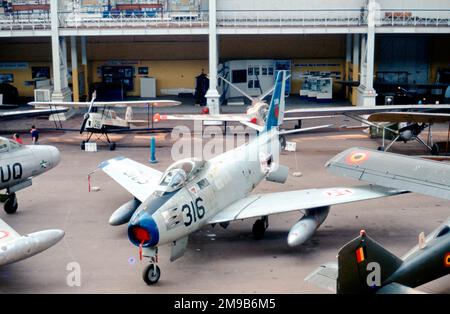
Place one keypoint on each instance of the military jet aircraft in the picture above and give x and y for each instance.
(167, 207)
(364, 266)
(18, 165)
(107, 121)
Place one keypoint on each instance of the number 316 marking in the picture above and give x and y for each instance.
(193, 211)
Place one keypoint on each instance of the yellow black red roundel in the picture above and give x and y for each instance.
(357, 157)
(447, 259)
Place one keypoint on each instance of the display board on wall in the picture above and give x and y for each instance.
(40, 72)
(6, 78)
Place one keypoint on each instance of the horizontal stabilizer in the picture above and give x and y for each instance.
(324, 277)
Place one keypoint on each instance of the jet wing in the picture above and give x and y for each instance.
(131, 103)
(393, 171)
(281, 202)
(16, 114)
(412, 117)
(362, 110)
(136, 178)
(15, 247)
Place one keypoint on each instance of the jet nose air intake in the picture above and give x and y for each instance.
(143, 231)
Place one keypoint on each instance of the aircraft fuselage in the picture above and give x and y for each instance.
(224, 180)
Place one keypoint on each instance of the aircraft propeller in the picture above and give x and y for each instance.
(86, 115)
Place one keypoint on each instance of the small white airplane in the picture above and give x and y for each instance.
(107, 121)
(18, 165)
(167, 207)
(254, 116)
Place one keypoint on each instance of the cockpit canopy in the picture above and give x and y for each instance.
(7, 145)
(179, 173)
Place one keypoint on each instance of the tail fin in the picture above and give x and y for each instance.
(363, 266)
(276, 109)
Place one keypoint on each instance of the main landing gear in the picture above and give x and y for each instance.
(151, 273)
(11, 204)
(259, 227)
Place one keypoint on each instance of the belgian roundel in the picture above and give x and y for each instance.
(357, 157)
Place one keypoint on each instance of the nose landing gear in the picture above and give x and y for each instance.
(151, 273)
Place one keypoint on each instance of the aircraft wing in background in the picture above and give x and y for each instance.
(19, 114)
(411, 117)
(393, 170)
(118, 104)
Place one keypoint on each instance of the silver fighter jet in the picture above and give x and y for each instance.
(18, 164)
(167, 207)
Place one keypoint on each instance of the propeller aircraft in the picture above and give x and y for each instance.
(104, 121)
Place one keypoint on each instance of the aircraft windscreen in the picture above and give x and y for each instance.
(180, 172)
(4, 145)
(174, 179)
(14, 145)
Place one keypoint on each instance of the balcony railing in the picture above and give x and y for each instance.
(173, 19)
(226, 19)
(414, 18)
(291, 18)
(24, 21)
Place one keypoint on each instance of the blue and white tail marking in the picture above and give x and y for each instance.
(276, 109)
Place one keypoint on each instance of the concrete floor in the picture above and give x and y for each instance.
(217, 260)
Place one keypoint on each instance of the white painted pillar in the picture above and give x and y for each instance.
(367, 94)
(64, 67)
(74, 64)
(370, 48)
(212, 94)
(363, 60)
(56, 61)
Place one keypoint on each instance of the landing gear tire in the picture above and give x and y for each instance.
(283, 142)
(83, 145)
(112, 146)
(11, 204)
(259, 228)
(151, 274)
(435, 150)
(380, 148)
